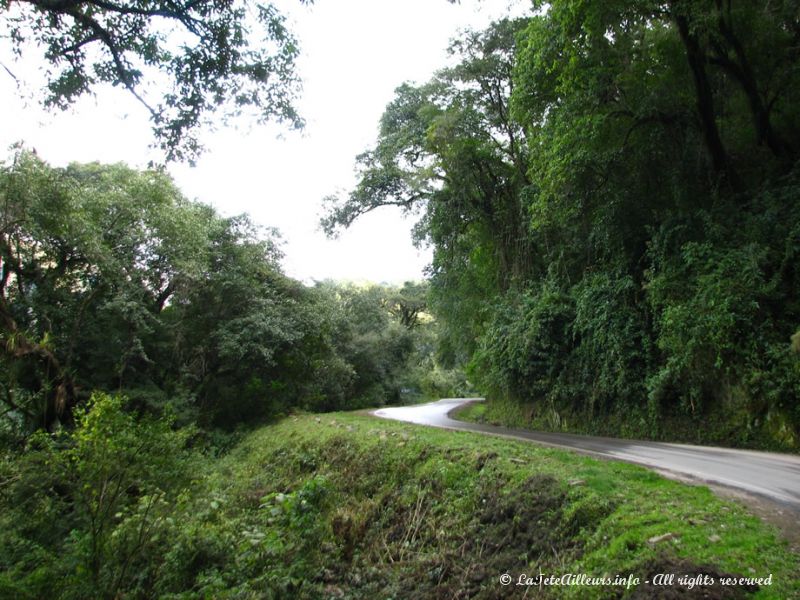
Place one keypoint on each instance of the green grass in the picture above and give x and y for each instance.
(345, 505)
(474, 412)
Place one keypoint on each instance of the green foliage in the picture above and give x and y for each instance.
(450, 146)
(384, 344)
(91, 256)
(112, 280)
(121, 507)
(436, 381)
(303, 508)
(712, 324)
(233, 57)
(527, 342)
(91, 507)
(610, 191)
(612, 350)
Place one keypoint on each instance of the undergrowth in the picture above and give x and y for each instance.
(350, 506)
(399, 511)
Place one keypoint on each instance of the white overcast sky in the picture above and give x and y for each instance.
(354, 54)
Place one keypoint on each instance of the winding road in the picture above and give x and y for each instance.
(771, 475)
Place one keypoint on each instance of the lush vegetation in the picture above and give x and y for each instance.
(112, 281)
(611, 192)
(349, 506)
(138, 332)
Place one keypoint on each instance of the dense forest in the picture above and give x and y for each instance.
(112, 281)
(611, 193)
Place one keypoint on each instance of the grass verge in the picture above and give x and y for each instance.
(350, 506)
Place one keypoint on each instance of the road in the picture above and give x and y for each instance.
(771, 475)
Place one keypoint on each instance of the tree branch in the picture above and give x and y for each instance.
(123, 73)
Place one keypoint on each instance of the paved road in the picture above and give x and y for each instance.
(776, 476)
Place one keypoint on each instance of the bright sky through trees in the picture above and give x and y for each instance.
(354, 53)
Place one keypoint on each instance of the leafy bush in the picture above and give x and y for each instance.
(526, 345)
(93, 505)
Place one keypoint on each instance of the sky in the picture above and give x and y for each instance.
(354, 53)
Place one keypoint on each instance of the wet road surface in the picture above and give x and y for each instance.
(771, 475)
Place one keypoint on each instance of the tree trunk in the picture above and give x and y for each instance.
(61, 399)
(743, 73)
(704, 96)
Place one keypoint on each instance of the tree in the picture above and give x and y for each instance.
(235, 332)
(90, 256)
(451, 149)
(234, 57)
(753, 45)
(408, 303)
(110, 280)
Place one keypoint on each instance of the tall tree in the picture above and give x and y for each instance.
(610, 191)
(90, 257)
(451, 149)
(408, 302)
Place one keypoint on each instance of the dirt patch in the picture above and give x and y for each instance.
(689, 581)
(483, 458)
(523, 524)
(515, 525)
(512, 530)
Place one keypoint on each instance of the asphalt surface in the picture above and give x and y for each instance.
(771, 475)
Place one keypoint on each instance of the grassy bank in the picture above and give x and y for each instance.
(350, 506)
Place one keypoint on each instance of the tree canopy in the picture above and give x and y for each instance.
(610, 190)
(111, 280)
(182, 60)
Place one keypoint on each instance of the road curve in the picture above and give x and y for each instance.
(775, 476)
